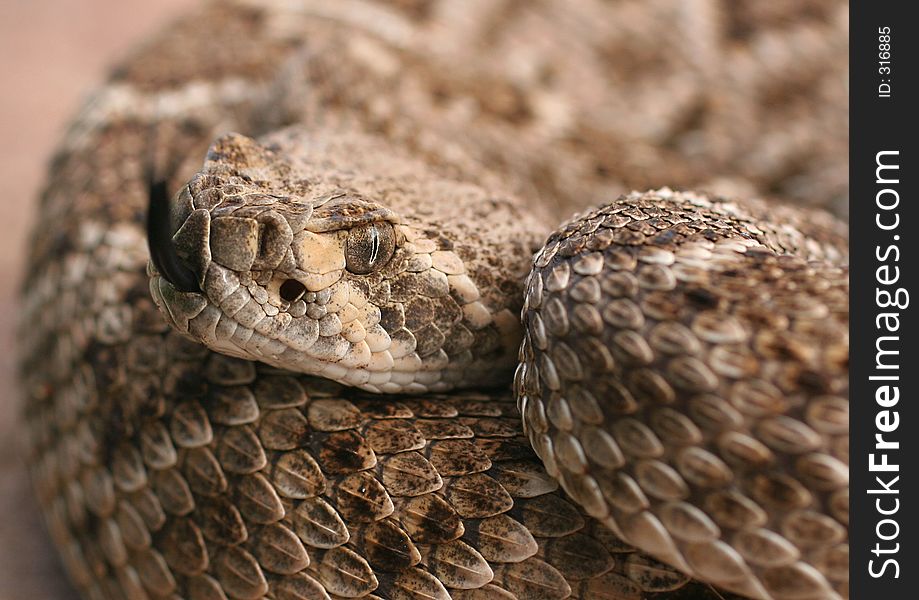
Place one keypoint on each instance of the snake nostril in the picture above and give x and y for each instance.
(292, 290)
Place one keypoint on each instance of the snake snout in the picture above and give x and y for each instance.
(163, 252)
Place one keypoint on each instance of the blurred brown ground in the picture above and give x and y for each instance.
(52, 53)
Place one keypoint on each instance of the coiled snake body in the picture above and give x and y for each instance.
(683, 367)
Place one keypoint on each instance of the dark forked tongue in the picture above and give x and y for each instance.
(159, 240)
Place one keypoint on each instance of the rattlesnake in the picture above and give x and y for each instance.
(684, 363)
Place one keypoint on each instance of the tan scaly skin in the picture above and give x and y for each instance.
(683, 375)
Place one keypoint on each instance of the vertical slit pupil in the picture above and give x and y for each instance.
(291, 290)
(374, 246)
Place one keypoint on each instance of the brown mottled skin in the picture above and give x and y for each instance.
(165, 469)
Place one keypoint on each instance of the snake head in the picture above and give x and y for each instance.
(290, 257)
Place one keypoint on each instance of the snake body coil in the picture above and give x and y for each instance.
(683, 369)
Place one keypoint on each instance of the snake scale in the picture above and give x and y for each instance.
(683, 371)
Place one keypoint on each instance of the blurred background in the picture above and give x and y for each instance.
(51, 54)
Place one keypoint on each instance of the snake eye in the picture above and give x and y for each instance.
(292, 290)
(369, 247)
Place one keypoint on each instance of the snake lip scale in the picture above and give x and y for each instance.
(352, 353)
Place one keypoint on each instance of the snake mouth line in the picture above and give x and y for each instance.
(328, 357)
(159, 240)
